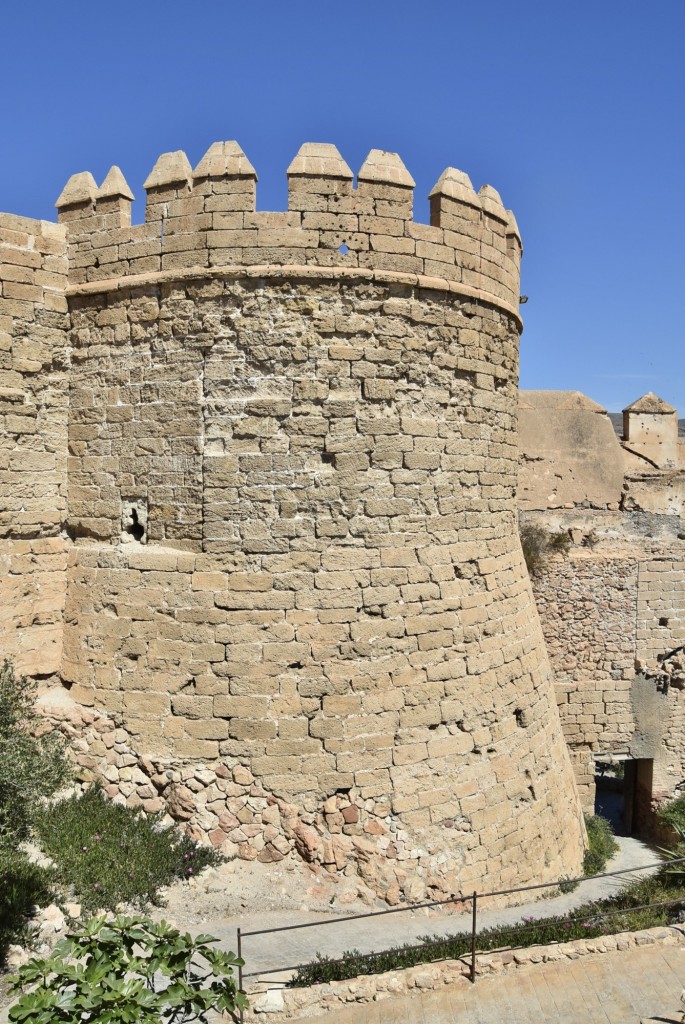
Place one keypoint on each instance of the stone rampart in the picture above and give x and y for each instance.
(33, 441)
(294, 554)
(612, 612)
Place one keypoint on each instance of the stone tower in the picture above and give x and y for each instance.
(650, 430)
(295, 580)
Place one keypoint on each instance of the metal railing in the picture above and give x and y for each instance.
(474, 899)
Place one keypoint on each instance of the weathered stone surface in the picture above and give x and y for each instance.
(569, 451)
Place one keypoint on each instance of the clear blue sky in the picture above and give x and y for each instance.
(574, 112)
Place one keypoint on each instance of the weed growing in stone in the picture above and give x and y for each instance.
(538, 543)
(110, 854)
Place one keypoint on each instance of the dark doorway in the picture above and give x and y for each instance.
(623, 792)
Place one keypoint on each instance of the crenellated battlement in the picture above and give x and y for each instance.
(206, 217)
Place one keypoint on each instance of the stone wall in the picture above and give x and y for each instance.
(356, 587)
(297, 611)
(569, 452)
(611, 611)
(33, 447)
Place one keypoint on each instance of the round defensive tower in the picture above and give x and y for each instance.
(296, 582)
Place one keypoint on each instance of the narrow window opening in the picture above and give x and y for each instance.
(134, 521)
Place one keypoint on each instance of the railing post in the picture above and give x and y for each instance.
(474, 911)
(239, 944)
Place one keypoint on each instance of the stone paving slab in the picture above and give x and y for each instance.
(638, 985)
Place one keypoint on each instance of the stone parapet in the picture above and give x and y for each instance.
(207, 218)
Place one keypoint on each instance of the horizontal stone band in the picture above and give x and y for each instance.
(294, 271)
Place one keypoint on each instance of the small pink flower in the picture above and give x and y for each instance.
(96, 885)
(85, 849)
(96, 838)
(190, 871)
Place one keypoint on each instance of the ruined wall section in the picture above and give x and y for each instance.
(33, 441)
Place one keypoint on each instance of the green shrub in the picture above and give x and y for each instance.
(534, 544)
(23, 886)
(111, 854)
(602, 844)
(127, 971)
(31, 767)
(625, 911)
(673, 813)
(675, 853)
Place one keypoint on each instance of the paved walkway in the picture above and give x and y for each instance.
(642, 984)
(282, 950)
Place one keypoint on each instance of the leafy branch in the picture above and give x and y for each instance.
(127, 970)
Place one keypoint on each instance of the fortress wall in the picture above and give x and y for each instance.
(608, 621)
(353, 622)
(588, 609)
(661, 608)
(569, 452)
(33, 441)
